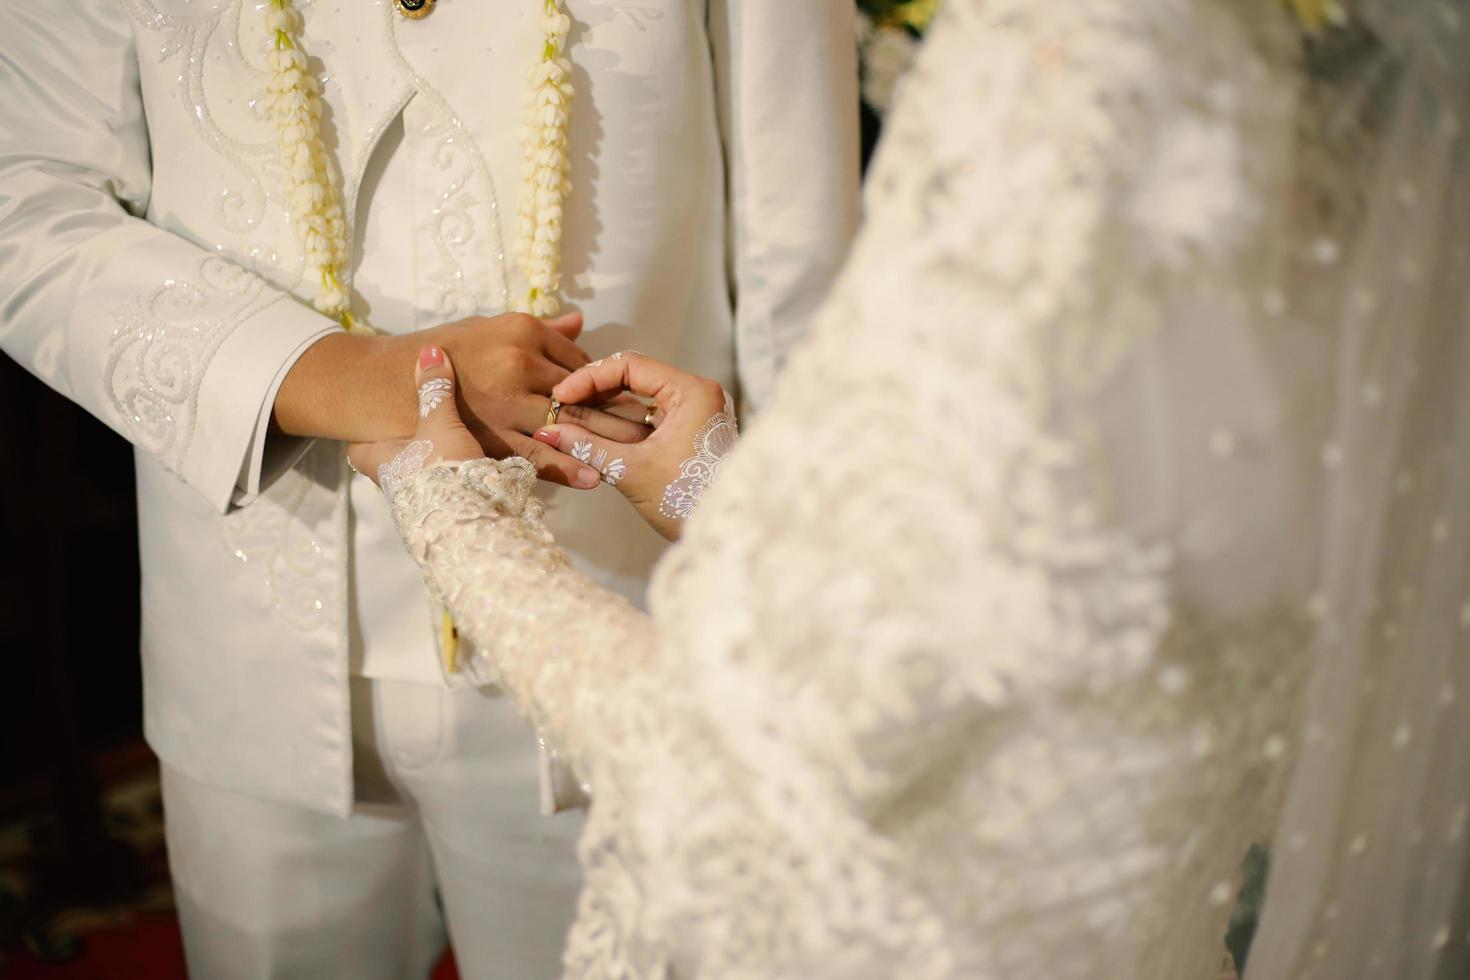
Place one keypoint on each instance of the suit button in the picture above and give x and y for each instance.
(414, 9)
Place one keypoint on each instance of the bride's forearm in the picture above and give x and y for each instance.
(555, 641)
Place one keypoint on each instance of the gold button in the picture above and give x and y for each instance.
(414, 9)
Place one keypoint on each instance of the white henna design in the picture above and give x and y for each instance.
(712, 443)
(611, 472)
(432, 393)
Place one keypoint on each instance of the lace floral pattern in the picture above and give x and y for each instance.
(398, 470)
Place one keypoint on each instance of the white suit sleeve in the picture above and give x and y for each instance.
(171, 345)
(788, 93)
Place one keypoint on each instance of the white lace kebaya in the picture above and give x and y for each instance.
(404, 466)
(990, 668)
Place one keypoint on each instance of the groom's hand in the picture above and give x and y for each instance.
(507, 367)
(441, 433)
(359, 389)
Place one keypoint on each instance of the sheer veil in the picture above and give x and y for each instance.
(1369, 863)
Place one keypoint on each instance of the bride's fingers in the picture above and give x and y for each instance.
(434, 378)
(439, 420)
(626, 371)
(588, 449)
(552, 466)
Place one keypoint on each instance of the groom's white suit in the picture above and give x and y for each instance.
(149, 272)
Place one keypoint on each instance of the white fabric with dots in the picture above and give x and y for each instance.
(1010, 623)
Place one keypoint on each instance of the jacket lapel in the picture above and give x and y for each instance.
(348, 42)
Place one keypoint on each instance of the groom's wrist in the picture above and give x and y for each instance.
(349, 387)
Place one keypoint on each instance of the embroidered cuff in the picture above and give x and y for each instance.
(233, 454)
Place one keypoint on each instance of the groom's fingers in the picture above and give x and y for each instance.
(559, 348)
(534, 411)
(568, 324)
(605, 423)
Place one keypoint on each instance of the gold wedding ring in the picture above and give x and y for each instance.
(553, 412)
(648, 417)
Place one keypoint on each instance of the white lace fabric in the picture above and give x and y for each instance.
(476, 527)
(992, 667)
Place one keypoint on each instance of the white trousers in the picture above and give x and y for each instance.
(447, 791)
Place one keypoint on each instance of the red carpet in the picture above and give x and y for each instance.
(137, 938)
(147, 948)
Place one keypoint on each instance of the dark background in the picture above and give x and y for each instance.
(68, 586)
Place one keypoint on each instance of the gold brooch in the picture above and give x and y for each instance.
(414, 9)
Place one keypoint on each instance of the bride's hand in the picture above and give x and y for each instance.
(662, 476)
(441, 434)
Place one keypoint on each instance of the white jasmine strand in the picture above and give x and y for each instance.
(546, 167)
(312, 195)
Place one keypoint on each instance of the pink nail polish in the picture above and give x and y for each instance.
(431, 357)
(588, 477)
(549, 437)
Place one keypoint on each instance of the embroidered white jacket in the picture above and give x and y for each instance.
(148, 272)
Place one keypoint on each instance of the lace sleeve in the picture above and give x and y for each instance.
(539, 628)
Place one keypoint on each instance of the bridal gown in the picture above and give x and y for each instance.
(1014, 621)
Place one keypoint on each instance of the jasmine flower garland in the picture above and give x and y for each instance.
(546, 167)
(313, 197)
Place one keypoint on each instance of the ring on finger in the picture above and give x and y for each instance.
(648, 417)
(553, 412)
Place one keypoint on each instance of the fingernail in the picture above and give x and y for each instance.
(431, 357)
(588, 477)
(549, 437)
